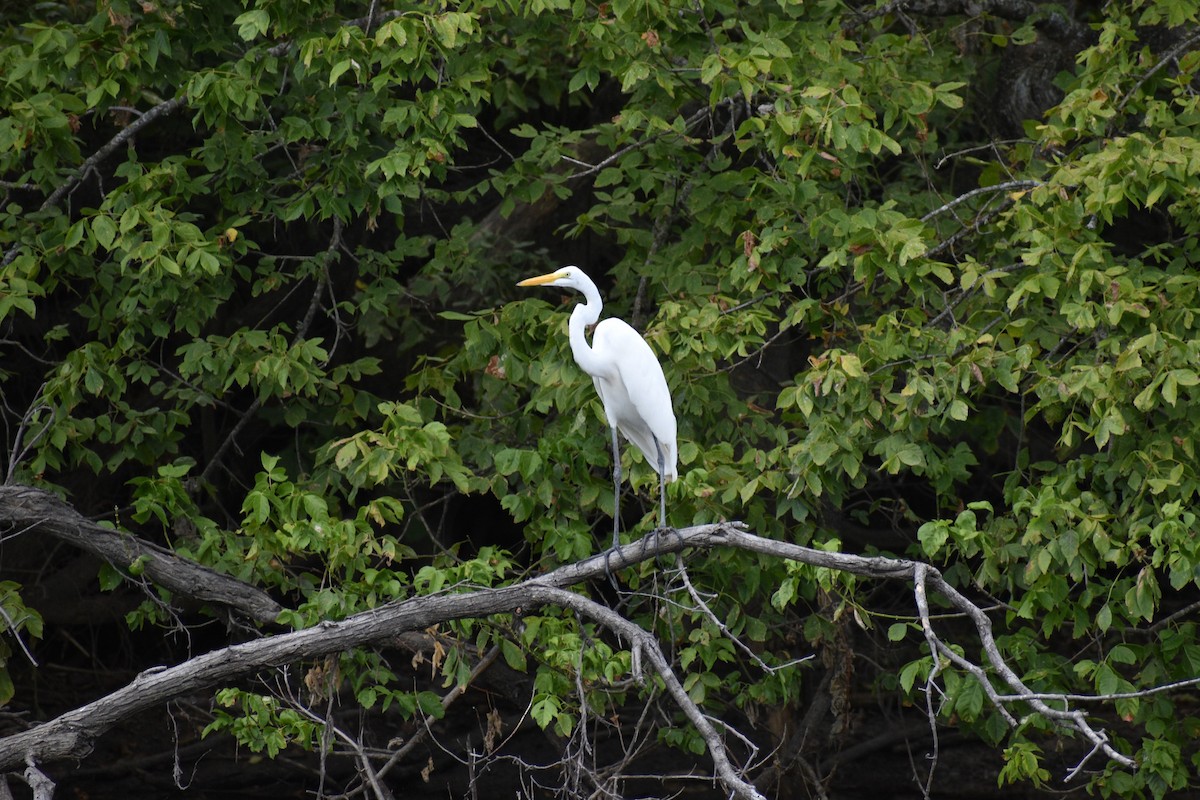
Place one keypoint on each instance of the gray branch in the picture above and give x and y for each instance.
(25, 509)
(71, 734)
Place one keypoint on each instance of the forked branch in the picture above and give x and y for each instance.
(71, 735)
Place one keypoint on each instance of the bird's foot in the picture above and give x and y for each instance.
(608, 567)
(662, 530)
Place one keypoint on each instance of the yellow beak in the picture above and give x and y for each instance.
(541, 279)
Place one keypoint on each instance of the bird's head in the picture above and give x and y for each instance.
(573, 277)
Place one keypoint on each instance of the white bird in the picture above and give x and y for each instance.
(630, 383)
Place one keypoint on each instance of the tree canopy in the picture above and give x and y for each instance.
(924, 278)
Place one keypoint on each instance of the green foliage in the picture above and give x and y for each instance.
(1022, 761)
(20, 622)
(278, 327)
(262, 723)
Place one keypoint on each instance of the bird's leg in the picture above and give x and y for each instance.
(662, 489)
(662, 486)
(616, 448)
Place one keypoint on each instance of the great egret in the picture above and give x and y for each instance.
(630, 383)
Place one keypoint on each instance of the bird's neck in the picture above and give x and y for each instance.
(583, 315)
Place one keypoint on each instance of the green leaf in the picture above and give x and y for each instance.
(104, 230)
(7, 689)
(110, 577)
(784, 595)
(969, 702)
(251, 24)
(933, 536)
(514, 656)
(910, 673)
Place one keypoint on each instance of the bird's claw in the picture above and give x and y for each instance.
(608, 569)
(662, 530)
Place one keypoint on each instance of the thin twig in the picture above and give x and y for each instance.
(21, 448)
(488, 659)
(12, 626)
(630, 632)
(1165, 59)
(930, 680)
(1076, 720)
(360, 755)
(992, 145)
(1100, 698)
(309, 315)
(591, 169)
(704, 609)
(998, 187)
(979, 222)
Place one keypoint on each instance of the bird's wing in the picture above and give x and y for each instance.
(645, 409)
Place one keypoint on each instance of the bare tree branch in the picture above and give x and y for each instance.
(41, 786)
(488, 659)
(1064, 717)
(645, 641)
(998, 187)
(12, 628)
(23, 508)
(20, 447)
(71, 734)
(920, 573)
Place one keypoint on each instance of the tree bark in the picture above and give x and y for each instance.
(71, 734)
(26, 510)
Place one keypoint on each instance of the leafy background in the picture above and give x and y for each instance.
(922, 275)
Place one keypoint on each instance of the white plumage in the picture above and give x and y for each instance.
(635, 395)
(628, 378)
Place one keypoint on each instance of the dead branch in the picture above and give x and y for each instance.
(24, 509)
(920, 574)
(1169, 57)
(70, 735)
(488, 659)
(641, 639)
(1063, 717)
(1007, 186)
